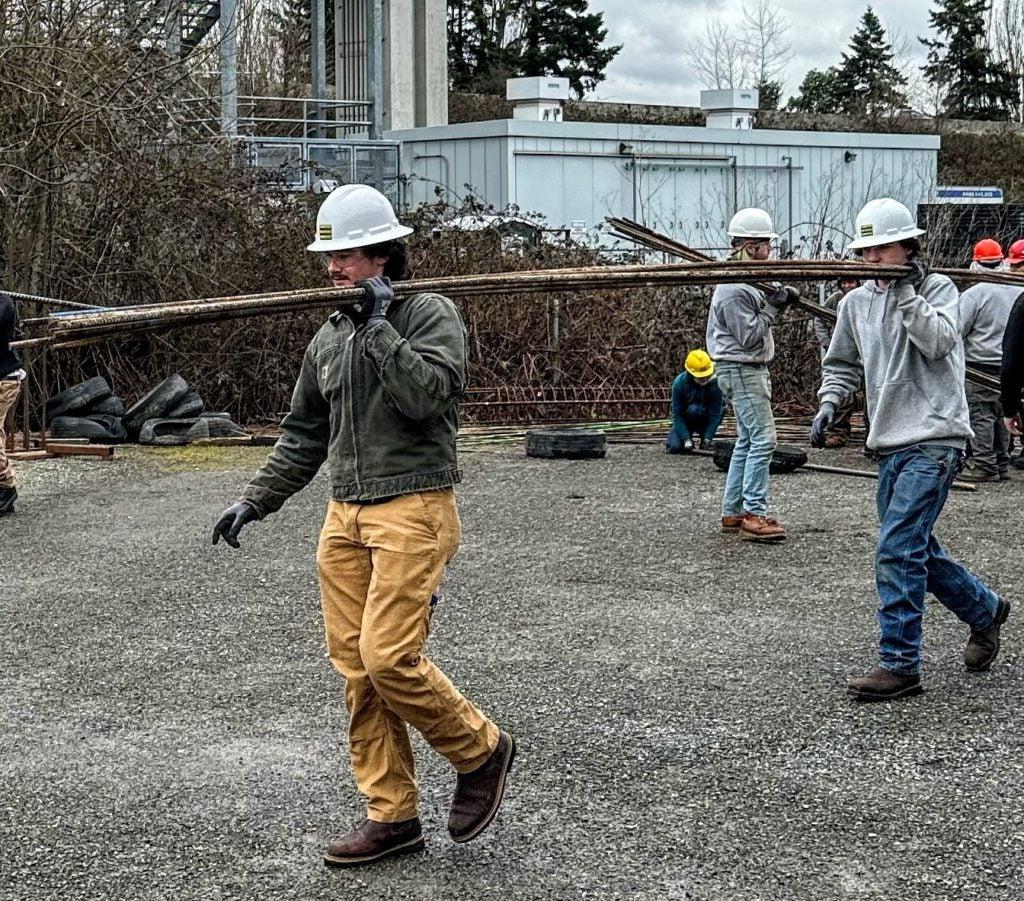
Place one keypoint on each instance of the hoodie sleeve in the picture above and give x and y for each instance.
(931, 318)
(841, 370)
(747, 318)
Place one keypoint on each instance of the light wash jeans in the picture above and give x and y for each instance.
(912, 488)
(748, 389)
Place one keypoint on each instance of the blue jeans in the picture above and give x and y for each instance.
(748, 388)
(912, 488)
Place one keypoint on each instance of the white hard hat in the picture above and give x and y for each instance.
(751, 223)
(883, 221)
(356, 216)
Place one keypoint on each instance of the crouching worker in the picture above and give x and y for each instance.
(376, 398)
(11, 376)
(697, 405)
(903, 337)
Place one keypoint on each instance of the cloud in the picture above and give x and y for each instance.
(652, 65)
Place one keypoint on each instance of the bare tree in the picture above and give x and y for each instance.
(750, 53)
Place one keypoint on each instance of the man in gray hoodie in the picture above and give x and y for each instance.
(740, 341)
(903, 337)
(984, 310)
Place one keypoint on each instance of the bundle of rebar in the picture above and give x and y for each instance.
(88, 328)
(647, 237)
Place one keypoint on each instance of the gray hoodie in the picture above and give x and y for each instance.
(984, 309)
(740, 325)
(908, 347)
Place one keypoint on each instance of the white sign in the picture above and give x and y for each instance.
(968, 195)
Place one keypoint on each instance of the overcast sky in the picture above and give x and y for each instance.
(652, 67)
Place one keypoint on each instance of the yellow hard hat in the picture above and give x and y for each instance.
(699, 364)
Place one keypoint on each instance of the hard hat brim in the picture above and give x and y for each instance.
(701, 373)
(762, 236)
(391, 234)
(904, 234)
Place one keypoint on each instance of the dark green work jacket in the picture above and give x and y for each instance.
(380, 405)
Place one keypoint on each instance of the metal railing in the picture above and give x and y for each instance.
(296, 117)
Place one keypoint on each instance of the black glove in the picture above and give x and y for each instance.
(783, 297)
(825, 417)
(232, 520)
(379, 295)
(915, 278)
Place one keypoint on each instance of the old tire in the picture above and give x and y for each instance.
(190, 406)
(156, 404)
(109, 406)
(216, 427)
(786, 458)
(168, 432)
(77, 397)
(565, 444)
(99, 427)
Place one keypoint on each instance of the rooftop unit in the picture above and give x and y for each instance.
(732, 108)
(538, 99)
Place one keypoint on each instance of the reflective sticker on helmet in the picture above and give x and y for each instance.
(867, 231)
(325, 231)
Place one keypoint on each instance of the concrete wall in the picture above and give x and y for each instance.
(686, 182)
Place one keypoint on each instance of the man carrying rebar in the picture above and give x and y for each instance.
(984, 309)
(376, 398)
(839, 432)
(740, 341)
(697, 405)
(11, 377)
(903, 337)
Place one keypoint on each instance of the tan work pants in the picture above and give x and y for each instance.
(379, 565)
(9, 390)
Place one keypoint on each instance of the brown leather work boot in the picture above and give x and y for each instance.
(478, 794)
(881, 684)
(762, 528)
(731, 523)
(983, 645)
(371, 841)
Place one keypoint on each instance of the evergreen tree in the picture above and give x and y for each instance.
(820, 92)
(769, 95)
(869, 82)
(972, 84)
(491, 40)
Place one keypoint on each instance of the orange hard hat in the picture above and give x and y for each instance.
(1016, 255)
(988, 250)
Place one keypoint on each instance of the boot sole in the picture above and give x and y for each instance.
(1002, 615)
(493, 812)
(867, 697)
(762, 539)
(409, 847)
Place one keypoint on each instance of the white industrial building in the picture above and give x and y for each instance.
(683, 181)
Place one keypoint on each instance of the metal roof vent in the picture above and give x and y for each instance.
(732, 109)
(537, 99)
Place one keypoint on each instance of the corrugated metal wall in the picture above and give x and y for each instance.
(686, 182)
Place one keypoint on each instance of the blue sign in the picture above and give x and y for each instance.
(968, 195)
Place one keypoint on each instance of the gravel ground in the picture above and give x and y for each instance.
(169, 724)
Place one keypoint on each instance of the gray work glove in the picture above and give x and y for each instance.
(826, 416)
(232, 521)
(783, 297)
(688, 445)
(378, 297)
(915, 278)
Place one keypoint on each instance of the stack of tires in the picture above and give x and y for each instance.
(174, 414)
(87, 410)
(171, 414)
